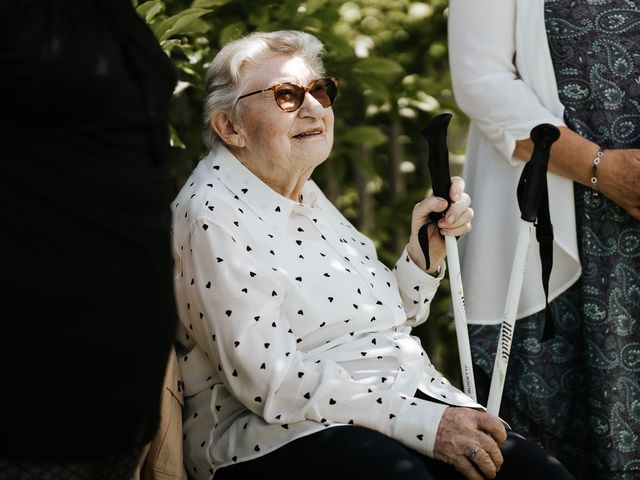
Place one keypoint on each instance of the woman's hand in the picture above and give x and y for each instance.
(572, 157)
(469, 440)
(455, 222)
(619, 178)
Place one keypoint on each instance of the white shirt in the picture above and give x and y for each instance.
(503, 79)
(291, 324)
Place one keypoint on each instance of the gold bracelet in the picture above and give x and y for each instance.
(594, 173)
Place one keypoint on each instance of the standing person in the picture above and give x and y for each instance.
(575, 64)
(296, 348)
(84, 90)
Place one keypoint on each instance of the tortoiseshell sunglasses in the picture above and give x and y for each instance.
(289, 96)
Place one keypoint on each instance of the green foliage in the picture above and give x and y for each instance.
(391, 59)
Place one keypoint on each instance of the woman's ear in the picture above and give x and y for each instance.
(223, 126)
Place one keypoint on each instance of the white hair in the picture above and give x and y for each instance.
(224, 74)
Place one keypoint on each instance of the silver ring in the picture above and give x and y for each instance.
(474, 452)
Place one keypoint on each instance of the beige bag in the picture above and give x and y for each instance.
(162, 458)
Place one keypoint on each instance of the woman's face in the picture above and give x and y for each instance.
(279, 144)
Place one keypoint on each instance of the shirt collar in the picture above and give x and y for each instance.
(268, 204)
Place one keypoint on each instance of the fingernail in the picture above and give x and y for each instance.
(450, 218)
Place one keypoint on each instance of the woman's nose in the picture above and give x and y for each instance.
(311, 107)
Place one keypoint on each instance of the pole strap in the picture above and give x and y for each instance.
(423, 239)
(544, 235)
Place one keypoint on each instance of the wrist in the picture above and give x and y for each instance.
(595, 164)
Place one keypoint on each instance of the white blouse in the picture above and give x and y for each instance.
(503, 79)
(290, 324)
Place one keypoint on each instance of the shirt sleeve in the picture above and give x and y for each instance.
(417, 288)
(237, 302)
(486, 83)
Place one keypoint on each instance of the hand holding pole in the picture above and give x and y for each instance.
(435, 132)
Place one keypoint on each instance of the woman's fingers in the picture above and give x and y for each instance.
(422, 209)
(493, 426)
(476, 463)
(484, 457)
(468, 469)
(484, 462)
(457, 212)
(457, 219)
(457, 208)
(457, 189)
(455, 222)
(470, 441)
(494, 459)
(460, 226)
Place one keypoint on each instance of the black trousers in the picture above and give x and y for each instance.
(348, 452)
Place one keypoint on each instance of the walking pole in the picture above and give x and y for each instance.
(532, 192)
(435, 133)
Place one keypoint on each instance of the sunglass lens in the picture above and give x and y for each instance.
(289, 97)
(324, 91)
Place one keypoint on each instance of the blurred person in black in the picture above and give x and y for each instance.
(84, 97)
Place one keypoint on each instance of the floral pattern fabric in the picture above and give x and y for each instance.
(578, 394)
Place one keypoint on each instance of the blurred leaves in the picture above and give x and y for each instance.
(365, 135)
(378, 66)
(185, 22)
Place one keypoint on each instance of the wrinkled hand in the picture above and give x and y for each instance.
(455, 222)
(619, 178)
(461, 430)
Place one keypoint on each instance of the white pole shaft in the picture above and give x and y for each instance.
(460, 317)
(509, 320)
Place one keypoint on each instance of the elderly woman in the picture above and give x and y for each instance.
(298, 358)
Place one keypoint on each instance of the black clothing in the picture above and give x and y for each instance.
(84, 94)
(117, 467)
(347, 452)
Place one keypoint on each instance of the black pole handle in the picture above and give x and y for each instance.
(533, 200)
(531, 186)
(435, 132)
